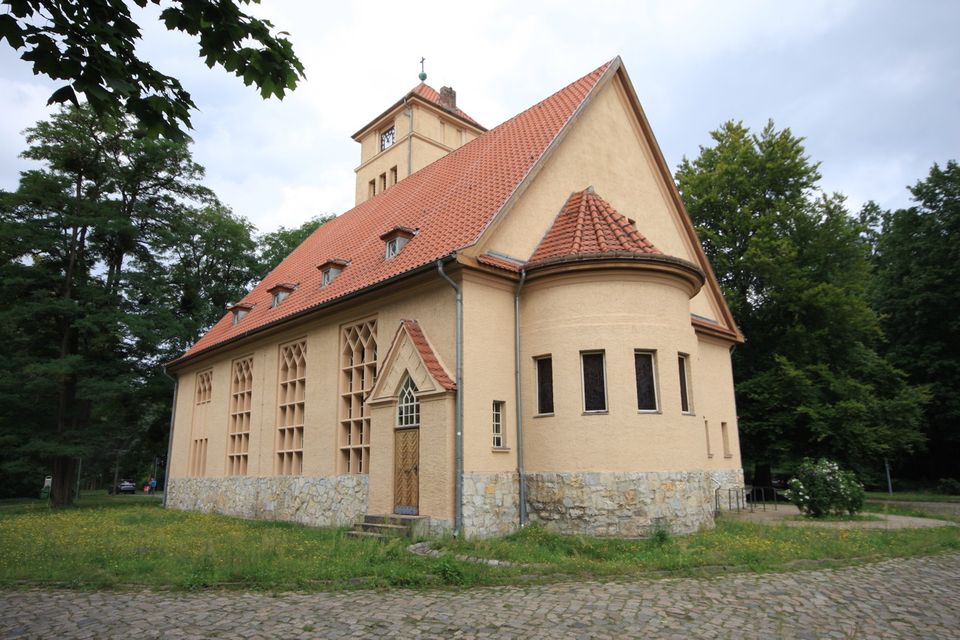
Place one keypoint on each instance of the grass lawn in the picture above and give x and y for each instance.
(911, 496)
(130, 542)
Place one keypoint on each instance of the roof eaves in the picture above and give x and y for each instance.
(186, 358)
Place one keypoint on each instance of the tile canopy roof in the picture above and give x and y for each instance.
(449, 202)
(427, 354)
(589, 226)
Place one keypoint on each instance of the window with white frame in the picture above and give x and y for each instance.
(394, 245)
(498, 439)
(408, 407)
(644, 363)
(594, 381)
(544, 385)
(683, 362)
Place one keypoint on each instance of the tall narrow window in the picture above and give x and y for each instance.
(372, 188)
(706, 431)
(290, 408)
(203, 394)
(383, 182)
(393, 176)
(684, 361)
(408, 407)
(358, 373)
(725, 436)
(544, 385)
(498, 441)
(241, 400)
(643, 362)
(594, 382)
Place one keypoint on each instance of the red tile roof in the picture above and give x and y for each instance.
(428, 355)
(589, 225)
(430, 94)
(492, 260)
(450, 202)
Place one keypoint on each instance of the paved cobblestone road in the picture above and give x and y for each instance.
(916, 598)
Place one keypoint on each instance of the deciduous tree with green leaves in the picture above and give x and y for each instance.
(277, 245)
(916, 292)
(794, 268)
(91, 46)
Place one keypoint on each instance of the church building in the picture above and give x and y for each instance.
(512, 325)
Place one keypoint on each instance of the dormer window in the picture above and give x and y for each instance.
(395, 239)
(330, 270)
(388, 137)
(281, 292)
(239, 310)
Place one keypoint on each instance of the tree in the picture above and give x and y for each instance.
(277, 245)
(795, 271)
(78, 239)
(918, 267)
(92, 46)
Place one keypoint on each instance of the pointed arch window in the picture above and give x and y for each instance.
(408, 407)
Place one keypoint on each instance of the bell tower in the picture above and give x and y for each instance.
(422, 126)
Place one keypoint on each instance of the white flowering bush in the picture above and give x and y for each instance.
(822, 488)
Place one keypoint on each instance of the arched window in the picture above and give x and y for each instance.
(408, 407)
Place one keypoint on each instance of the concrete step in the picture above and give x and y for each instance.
(392, 518)
(368, 535)
(396, 530)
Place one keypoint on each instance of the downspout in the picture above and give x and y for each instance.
(410, 142)
(173, 415)
(521, 481)
(458, 418)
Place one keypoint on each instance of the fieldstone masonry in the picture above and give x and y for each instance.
(326, 501)
(626, 503)
(491, 504)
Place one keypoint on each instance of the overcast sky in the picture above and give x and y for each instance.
(873, 86)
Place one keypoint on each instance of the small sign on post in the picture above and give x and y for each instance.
(47, 486)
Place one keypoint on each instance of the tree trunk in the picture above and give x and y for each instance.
(64, 481)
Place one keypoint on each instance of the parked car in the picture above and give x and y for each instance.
(124, 486)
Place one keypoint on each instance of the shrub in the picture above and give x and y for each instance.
(821, 488)
(949, 486)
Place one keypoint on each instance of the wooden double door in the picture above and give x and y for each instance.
(406, 469)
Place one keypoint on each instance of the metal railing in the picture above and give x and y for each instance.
(747, 497)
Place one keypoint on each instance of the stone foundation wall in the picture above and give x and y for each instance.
(491, 504)
(625, 503)
(327, 501)
(728, 479)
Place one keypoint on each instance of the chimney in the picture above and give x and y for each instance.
(448, 98)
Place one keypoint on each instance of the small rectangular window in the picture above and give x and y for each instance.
(372, 188)
(683, 362)
(383, 182)
(725, 436)
(545, 385)
(594, 382)
(393, 176)
(498, 424)
(646, 381)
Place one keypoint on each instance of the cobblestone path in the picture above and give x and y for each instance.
(915, 598)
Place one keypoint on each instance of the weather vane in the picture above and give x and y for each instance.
(423, 74)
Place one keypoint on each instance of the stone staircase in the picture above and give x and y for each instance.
(385, 527)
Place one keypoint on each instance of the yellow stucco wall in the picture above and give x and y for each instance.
(430, 302)
(605, 148)
(619, 312)
(433, 136)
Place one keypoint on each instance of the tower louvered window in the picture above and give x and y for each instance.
(293, 387)
(198, 437)
(241, 397)
(358, 372)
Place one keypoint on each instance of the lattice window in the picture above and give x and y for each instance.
(498, 442)
(198, 436)
(238, 436)
(358, 373)
(290, 406)
(408, 407)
